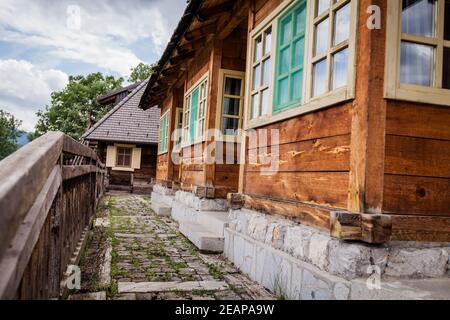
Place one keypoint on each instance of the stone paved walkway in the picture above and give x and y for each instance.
(150, 259)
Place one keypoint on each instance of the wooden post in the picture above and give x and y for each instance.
(368, 118)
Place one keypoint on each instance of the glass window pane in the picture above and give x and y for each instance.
(230, 126)
(416, 64)
(342, 24)
(300, 20)
(322, 37)
(256, 76)
(446, 69)
(297, 85)
(233, 86)
(320, 82)
(283, 90)
(231, 106)
(286, 30)
(418, 17)
(322, 5)
(340, 66)
(266, 72)
(447, 20)
(255, 106)
(258, 48)
(299, 49)
(268, 41)
(265, 102)
(285, 60)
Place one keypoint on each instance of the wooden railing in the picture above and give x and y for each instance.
(46, 207)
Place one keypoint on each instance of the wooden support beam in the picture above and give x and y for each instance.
(179, 58)
(229, 22)
(70, 172)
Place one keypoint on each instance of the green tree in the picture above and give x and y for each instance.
(74, 109)
(141, 72)
(9, 132)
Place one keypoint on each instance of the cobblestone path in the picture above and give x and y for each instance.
(150, 259)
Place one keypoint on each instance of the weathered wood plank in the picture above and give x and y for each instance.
(414, 120)
(16, 258)
(22, 183)
(308, 127)
(416, 195)
(417, 156)
(70, 172)
(420, 228)
(307, 214)
(74, 147)
(326, 154)
(320, 188)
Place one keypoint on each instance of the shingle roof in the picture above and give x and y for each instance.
(129, 88)
(126, 122)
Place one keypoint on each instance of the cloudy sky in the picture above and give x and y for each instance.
(42, 42)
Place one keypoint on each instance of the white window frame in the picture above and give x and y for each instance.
(307, 103)
(187, 111)
(393, 88)
(223, 74)
(166, 114)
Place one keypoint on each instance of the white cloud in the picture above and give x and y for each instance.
(107, 29)
(25, 88)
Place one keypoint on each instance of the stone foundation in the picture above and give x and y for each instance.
(162, 200)
(299, 262)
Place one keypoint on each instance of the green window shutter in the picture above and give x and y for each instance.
(194, 115)
(290, 52)
(164, 134)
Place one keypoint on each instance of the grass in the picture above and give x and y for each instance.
(215, 270)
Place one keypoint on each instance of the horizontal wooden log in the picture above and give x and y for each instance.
(23, 175)
(369, 228)
(413, 195)
(307, 214)
(74, 147)
(326, 154)
(420, 228)
(417, 156)
(70, 172)
(317, 188)
(15, 259)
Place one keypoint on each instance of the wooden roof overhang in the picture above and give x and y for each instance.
(202, 21)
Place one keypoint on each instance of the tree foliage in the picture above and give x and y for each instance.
(141, 72)
(75, 108)
(9, 132)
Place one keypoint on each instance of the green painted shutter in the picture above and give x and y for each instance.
(290, 52)
(163, 134)
(194, 115)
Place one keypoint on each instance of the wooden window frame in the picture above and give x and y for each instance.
(223, 74)
(187, 111)
(165, 117)
(130, 149)
(179, 114)
(393, 88)
(307, 103)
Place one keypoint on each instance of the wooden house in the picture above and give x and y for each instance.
(344, 108)
(126, 140)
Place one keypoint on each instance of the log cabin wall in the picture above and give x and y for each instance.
(228, 54)
(164, 166)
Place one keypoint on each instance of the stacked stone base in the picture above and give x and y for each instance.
(162, 200)
(299, 262)
(202, 221)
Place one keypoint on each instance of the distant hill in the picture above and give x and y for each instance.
(22, 140)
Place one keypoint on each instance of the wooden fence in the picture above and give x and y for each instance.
(46, 207)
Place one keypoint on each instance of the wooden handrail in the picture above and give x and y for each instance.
(44, 208)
